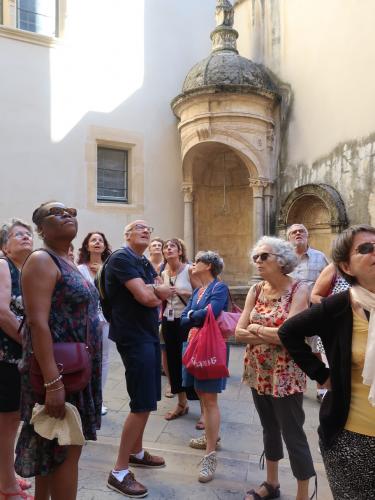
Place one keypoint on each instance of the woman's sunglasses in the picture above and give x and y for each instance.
(263, 256)
(365, 248)
(60, 211)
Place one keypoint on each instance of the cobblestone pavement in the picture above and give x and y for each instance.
(238, 460)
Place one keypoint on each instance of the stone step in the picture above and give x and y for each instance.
(236, 473)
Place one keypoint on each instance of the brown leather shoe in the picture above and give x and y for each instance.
(128, 487)
(148, 461)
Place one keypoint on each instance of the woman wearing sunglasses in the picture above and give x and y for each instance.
(60, 306)
(346, 325)
(276, 382)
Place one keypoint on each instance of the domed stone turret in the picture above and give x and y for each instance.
(225, 68)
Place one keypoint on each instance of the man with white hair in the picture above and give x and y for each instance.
(135, 297)
(311, 264)
(311, 261)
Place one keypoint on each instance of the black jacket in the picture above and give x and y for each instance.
(332, 320)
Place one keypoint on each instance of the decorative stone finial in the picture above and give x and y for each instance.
(224, 36)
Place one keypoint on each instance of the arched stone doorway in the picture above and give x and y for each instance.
(320, 208)
(223, 201)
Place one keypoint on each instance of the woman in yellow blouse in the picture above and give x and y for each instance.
(346, 325)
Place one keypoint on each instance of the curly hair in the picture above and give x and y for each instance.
(181, 248)
(285, 254)
(83, 252)
(213, 258)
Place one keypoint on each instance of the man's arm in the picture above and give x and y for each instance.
(8, 321)
(147, 295)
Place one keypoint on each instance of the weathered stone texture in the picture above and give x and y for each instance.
(349, 168)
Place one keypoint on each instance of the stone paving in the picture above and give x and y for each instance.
(238, 460)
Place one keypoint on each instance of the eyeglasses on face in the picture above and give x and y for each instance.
(297, 231)
(21, 234)
(141, 227)
(263, 256)
(60, 211)
(365, 248)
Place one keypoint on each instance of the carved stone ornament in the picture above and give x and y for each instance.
(258, 182)
(187, 189)
(204, 133)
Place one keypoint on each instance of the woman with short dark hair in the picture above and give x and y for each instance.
(346, 325)
(60, 306)
(93, 252)
(277, 383)
(207, 267)
(16, 241)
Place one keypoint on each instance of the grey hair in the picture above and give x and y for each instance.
(288, 231)
(8, 227)
(286, 256)
(213, 258)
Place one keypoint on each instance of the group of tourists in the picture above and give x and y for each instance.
(158, 309)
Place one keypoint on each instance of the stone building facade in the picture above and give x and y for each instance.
(272, 119)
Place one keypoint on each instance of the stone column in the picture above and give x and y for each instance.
(267, 208)
(187, 189)
(258, 186)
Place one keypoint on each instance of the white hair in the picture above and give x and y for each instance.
(289, 230)
(286, 256)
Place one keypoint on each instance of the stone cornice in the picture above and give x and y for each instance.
(223, 89)
(28, 36)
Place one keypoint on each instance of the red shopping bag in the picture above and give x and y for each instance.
(206, 354)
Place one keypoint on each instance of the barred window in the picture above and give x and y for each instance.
(37, 16)
(112, 175)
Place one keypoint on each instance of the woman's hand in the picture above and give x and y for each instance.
(253, 328)
(327, 384)
(55, 402)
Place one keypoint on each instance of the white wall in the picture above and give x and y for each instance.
(117, 67)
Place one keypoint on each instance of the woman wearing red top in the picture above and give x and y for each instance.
(276, 382)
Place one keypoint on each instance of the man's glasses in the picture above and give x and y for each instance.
(60, 211)
(21, 234)
(141, 227)
(365, 248)
(262, 256)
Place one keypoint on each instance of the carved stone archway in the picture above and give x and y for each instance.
(320, 208)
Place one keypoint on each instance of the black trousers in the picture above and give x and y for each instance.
(174, 336)
(285, 417)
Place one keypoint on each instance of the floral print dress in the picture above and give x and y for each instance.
(73, 317)
(268, 368)
(10, 350)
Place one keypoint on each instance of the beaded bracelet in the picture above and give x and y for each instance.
(51, 382)
(57, 389)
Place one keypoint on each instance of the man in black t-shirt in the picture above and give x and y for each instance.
(135, 297)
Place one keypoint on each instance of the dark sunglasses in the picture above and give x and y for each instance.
(365, 248)
(60, 211)
(263, 256)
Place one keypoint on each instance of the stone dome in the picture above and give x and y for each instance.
(226, 67)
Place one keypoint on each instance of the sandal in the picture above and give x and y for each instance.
(200, 426)
(172, 415)
(168, 393)
(273, 492)
(21, 494)
(23, 483)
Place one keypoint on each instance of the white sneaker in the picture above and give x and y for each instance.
(104, 410)
(200, 443)
(208, 467)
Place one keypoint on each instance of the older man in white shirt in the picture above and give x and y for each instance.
(311, 264)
